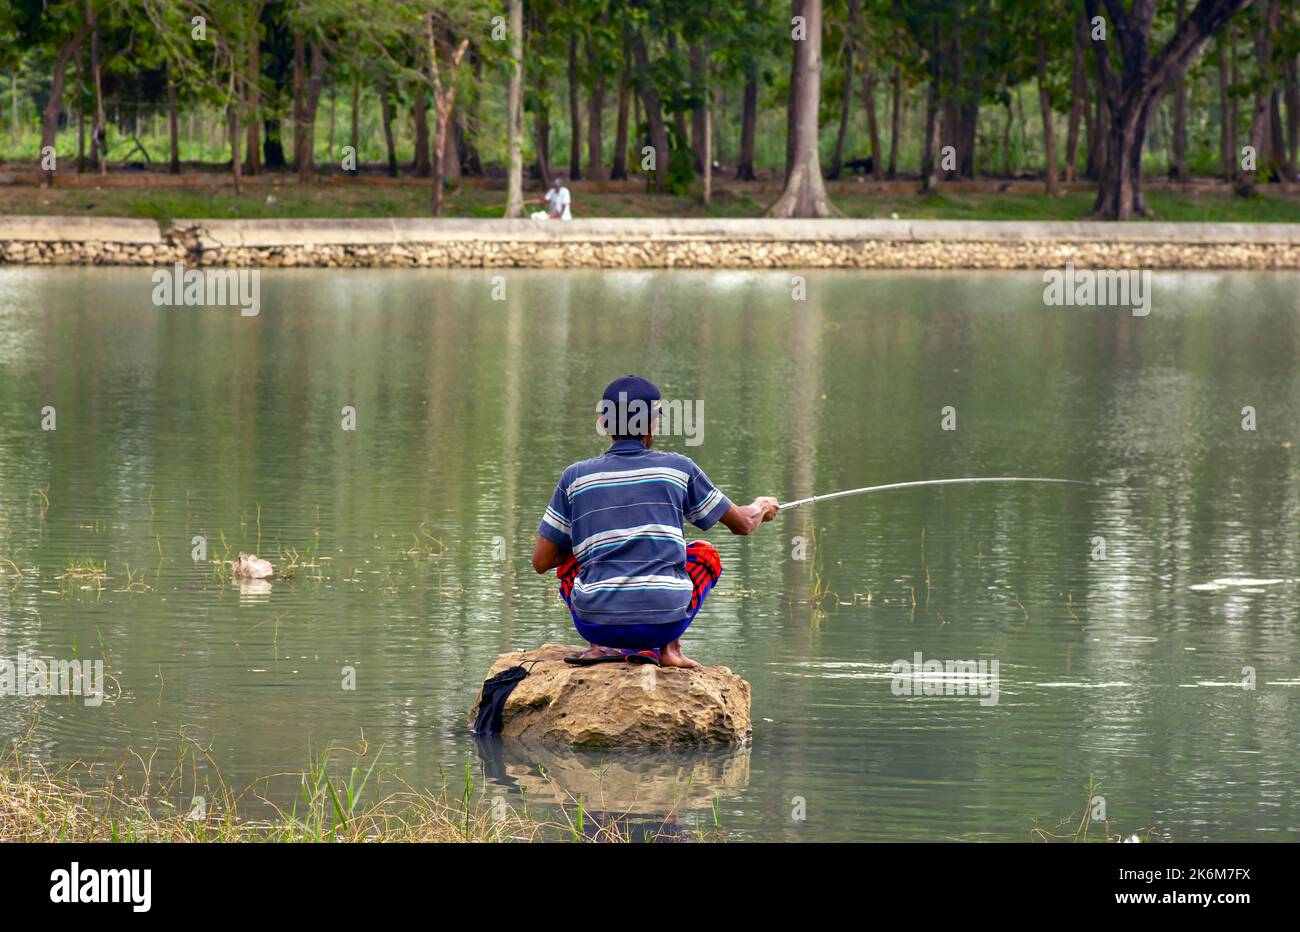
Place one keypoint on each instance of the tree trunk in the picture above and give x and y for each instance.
(306, 158)
(444, 101)
(749, 114)
(515, 112)
(50, 118)
(805, 192)
(1103, 123)
(1227, 131)
(929, 167)
(699, 58)
(1291, 76)
(174, 163)
(895, 121)
(386, 115)
(469, 125)
(949, 110)
(575, 112)
(420, 163)
(1045, 105)
(99, 132)
(929, 164)
(873, 123)
(1234, 79)
(1277, 142)
(452, 139)
(1282, 163)
(653, 111)
(618, 171)
(253, 147)
(970, 108)
(846, 103)
(232, 117)
(679, 115)
(1178, 164)
(595, 113)
(1078, 91)
(299, 102)
(707, 143)
(790, 111)
(748, 125)
(1261, 136)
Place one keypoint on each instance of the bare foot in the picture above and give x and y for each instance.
(672, 656)
(597, 651)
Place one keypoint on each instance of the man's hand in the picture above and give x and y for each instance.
(744, 519)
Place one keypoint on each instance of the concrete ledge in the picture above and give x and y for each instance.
(649, 243)
(262, 233)
(78, 230)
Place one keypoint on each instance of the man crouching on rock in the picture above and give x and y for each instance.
(613, 534)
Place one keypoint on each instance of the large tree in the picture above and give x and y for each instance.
(444, 87)
(805, 191)
(1131, 95)
(57, 30)
(424, 42)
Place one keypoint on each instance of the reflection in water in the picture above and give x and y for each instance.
(1122, 615)
(252, 591)
(648, 794)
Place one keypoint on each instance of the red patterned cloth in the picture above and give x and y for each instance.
(703, 566)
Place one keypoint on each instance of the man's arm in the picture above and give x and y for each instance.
(547, 554)
(745, 519)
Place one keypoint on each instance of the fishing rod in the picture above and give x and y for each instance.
(786, 506)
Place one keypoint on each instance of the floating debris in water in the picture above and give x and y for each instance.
(1234, 582)
(250, 566)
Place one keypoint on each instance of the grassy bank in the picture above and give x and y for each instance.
(130, 802)
(280, 196)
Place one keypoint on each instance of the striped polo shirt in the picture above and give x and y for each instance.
(621, 515)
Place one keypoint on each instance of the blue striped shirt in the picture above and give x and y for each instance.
(621, 515)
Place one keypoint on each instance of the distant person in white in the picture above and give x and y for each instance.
(557, 201)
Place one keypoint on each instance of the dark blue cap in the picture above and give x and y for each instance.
(632, 388)
(628, 406)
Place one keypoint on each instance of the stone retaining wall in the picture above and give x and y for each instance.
(853, 244)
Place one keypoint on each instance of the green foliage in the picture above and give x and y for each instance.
(978, 56)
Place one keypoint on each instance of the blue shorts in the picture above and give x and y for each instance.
(632, 637)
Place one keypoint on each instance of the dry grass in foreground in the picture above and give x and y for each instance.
(94, 803)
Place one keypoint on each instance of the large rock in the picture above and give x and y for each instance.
(619, 704)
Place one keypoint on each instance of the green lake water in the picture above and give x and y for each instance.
(414, 532)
